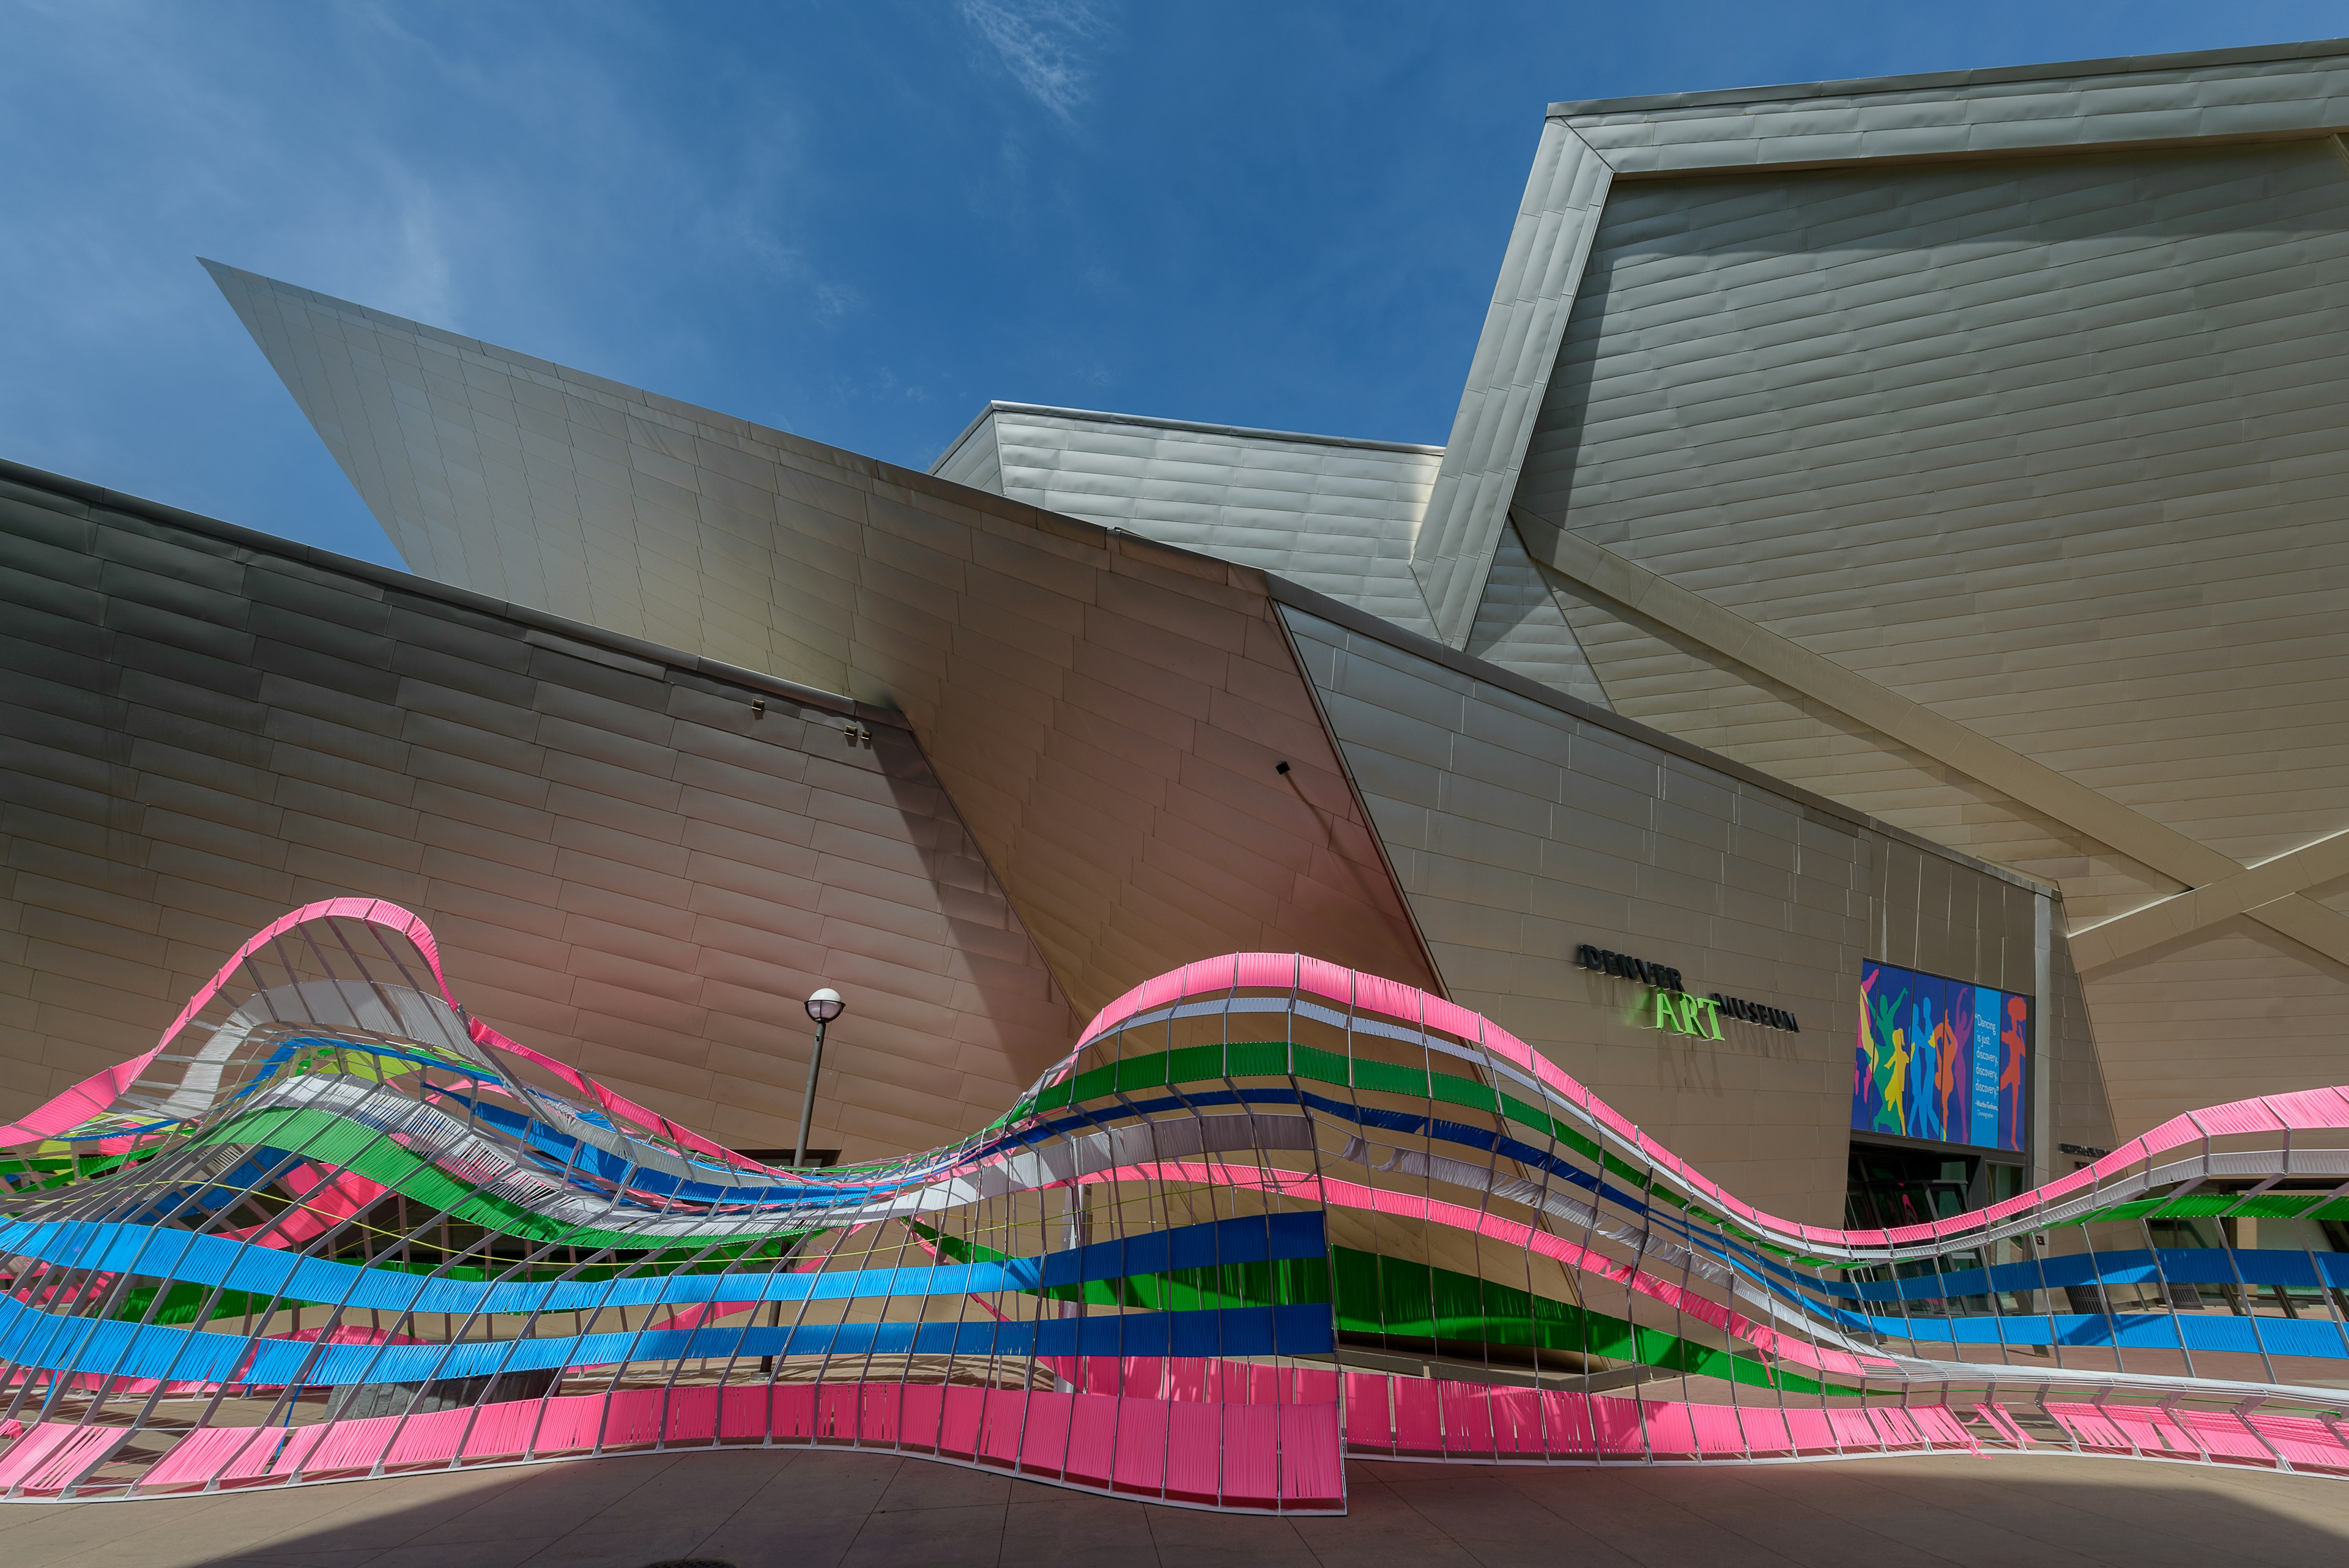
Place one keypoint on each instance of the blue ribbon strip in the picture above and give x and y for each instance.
(181, 1257)
(155, 1351)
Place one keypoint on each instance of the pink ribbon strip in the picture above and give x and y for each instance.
(2314, 1109)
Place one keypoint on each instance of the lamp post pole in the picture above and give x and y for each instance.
(823, 1007)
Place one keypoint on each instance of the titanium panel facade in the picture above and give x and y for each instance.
(1523, 824)
(1334, 514)
(2287, 91)
(202, 728)
(2053, 446)
(1452, 551)
(1522, 624)
(1106, 711)
(2099, 396)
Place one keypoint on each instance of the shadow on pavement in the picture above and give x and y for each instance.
(800, 1509)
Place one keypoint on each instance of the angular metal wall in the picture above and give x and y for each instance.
(2032, 441)
(1523, 824)
(1106, 712)
(201, 728)
(1333, 514)
(2052, 446)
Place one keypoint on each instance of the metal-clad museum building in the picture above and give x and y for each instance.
(1890, 538)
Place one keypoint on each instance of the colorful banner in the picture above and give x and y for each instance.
(1940, 1059)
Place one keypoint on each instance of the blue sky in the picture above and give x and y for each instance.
(854, 220)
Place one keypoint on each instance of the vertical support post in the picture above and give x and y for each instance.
(2043, 1037)
(1077, 1234)
(807, 1103)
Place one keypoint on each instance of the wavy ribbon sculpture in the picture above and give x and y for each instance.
(1269, 1214)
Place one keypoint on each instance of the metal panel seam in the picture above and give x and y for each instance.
(1354, 788)
(1541, 273)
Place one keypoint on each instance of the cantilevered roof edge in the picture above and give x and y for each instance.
(88, 495)
(1954, 83)
(1244, 432)
(1299, 597)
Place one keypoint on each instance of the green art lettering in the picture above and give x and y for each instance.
(1684, 1014)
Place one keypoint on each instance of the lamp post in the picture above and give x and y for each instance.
(823, 1007)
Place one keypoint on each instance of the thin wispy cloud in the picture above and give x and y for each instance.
(828, 302)
(834, 300)
(1042, 43)
(403, 256)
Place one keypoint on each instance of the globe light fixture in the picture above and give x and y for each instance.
(823, 1005)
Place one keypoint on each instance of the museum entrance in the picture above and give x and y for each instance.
(1894, 1184)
